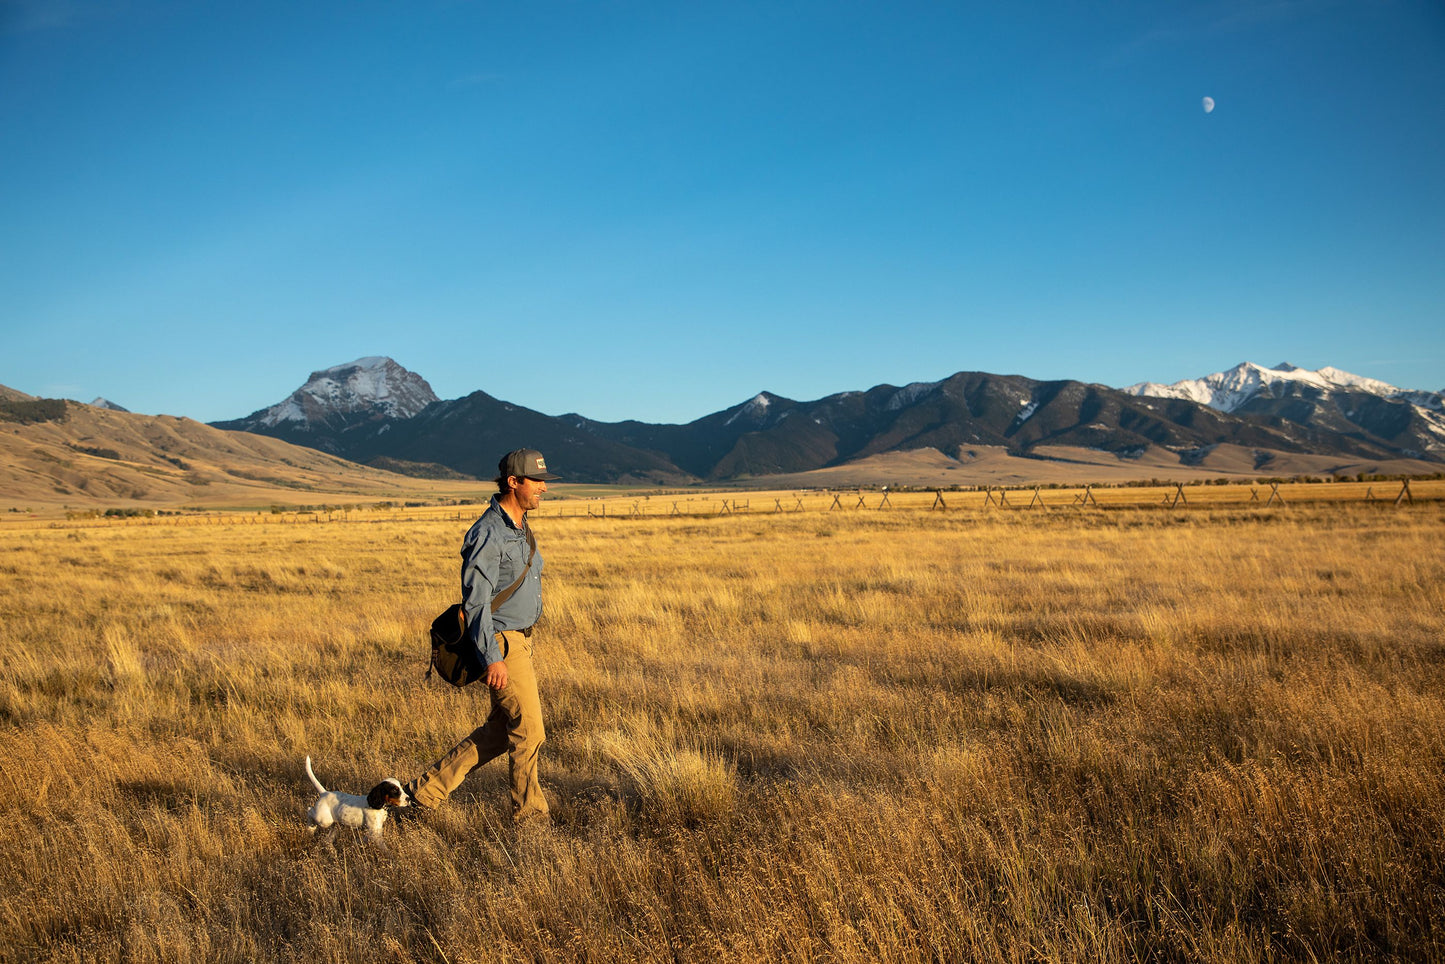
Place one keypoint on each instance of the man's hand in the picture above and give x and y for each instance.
(497, 675)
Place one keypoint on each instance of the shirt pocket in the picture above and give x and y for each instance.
(514, 560)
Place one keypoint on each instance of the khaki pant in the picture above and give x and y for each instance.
(514, 726)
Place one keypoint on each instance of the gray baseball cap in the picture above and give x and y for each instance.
(524, 463)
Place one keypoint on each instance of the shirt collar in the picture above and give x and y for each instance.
(506, 516)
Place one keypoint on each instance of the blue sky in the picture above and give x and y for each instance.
(654, 210)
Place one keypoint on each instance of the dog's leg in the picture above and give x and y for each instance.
(374, 823)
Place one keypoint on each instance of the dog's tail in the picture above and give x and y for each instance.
(315, 782)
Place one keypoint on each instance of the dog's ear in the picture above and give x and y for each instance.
(381, 795)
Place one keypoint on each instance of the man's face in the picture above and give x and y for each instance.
(529, 493)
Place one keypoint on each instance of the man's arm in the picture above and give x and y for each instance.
(479, 581)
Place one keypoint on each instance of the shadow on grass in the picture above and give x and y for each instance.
(165, 795)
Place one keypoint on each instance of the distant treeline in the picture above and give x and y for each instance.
(417, 470)
(30, 412)
(128, 513)
(99, 453)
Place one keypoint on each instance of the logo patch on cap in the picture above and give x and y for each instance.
(542, 463)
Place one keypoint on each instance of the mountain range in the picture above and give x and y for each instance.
(377, 412)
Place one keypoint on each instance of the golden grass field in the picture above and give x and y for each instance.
(1208, 733)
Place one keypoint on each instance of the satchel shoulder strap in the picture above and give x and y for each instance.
(506, 594)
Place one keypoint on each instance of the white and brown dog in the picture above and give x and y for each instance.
(350, 810)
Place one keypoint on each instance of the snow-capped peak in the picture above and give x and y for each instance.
(107, 404)
(369, 363)
(1375, 387)
(755, 408)
(1228, 390)
(373, 385)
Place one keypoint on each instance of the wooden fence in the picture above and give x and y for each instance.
(999, 498)
(1174, 496)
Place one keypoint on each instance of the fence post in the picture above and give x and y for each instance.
(938, 502)
(1405, 493)
(1037, 499)
(1274, 494)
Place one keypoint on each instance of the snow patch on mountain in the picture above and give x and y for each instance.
(909, 395)
(1227, 391)
(1230, 390)
(107, 404)
(1374, 386)
(755, 408)
(372, 385)
(1434, 421)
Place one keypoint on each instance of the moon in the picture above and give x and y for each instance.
(1208, 105)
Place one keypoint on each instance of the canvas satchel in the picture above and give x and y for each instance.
(453, 657)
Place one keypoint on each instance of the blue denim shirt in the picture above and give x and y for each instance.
(494, 553)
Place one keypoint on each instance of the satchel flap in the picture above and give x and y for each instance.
(450, 626)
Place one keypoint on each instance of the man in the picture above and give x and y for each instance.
(498, 555)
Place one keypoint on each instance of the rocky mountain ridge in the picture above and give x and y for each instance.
(1411, 421)
(340, 397)
(1280, 410)
(1228, 390)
